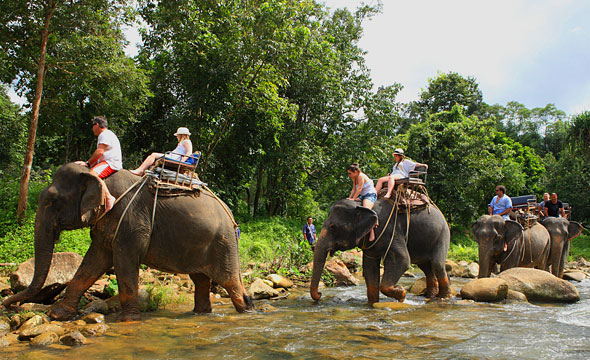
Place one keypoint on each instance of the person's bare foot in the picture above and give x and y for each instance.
(387, 196)
(135, 172)
(110, 202)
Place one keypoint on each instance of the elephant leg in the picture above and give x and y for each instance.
(95, 263)
(444, 284)
(371, 274)
(395, 264)
(128, 252)
(202, 290)
(431, 280)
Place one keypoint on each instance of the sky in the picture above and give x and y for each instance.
(533, 52)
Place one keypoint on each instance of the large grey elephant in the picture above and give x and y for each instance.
(561, 231)
(191, 234)
(507, 243)
(427, 245)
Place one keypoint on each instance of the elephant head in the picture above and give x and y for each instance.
(561, 232)
(346, 225)
(494, 236)
(71, 202)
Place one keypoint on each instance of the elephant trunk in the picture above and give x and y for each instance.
(485, 261)
(45, 237)
(319, 260)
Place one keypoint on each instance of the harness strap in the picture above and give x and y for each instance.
(119, 198)
(127, 208)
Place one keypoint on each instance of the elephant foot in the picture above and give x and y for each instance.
(372, 294)
(431, 288)
(396, 292)
(444, 286)
(202, 308)
(60, 311)
(129, 317)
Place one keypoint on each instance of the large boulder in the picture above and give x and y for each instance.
(279, 282)
(353, 259)
(539, 285)
(485, 289)
(453, 269)
(341, 273)
(63, 268)
(260, 290)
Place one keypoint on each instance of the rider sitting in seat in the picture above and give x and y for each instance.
(181, 153)
(401, 170)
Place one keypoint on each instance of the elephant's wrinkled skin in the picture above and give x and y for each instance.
(191, 235)
(561, 231)
(505, 242)
(346, 227)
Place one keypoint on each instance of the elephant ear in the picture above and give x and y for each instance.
(366, 219)
(92, 195)
(512, 231)
(475, 228)
(574, 230)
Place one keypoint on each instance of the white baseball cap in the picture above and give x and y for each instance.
(398, 151)
(182, 131)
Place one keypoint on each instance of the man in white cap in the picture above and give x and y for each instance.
(181, 153)
(107, 158)
(400, 170)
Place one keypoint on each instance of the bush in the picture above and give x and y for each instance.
(580, 247)
(463, 247)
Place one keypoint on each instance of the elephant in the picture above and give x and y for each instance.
(347, 226)
(190, 234)
(507, 243)
(561, 231)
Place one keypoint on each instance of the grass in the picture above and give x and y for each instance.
(580, 247)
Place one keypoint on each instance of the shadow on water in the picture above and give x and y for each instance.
(342, 326)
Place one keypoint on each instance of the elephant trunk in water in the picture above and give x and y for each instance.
(45, 238)
(486, 254)
(319, 260)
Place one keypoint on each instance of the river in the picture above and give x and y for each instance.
(342, 326)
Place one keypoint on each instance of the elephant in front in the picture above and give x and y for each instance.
(507, 243)
(561, 231)
(190, 234)
(428, 239)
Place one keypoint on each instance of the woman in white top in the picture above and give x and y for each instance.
(363, 189)
(181, 153)
(400, 170)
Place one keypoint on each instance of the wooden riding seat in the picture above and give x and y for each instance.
(184, 171)
(416, 177)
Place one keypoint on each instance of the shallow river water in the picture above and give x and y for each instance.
(342, 326)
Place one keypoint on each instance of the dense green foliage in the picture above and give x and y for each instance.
(280, 101)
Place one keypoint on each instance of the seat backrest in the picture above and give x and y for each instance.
(193, 158)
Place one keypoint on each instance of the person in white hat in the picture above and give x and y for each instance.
(400, 170)
(181, 153)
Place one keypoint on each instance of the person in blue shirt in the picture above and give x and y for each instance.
(309, 232)
(501, 203)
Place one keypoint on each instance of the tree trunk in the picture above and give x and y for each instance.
(258, 187)
(26, 172)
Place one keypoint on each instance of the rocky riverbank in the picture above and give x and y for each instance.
(30, 326)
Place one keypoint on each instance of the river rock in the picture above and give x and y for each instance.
(471, 271)
(35, 307)
(539, 285)
(75, 338)
(45, 339)
(63, 268)
(94, 329)
(341, 273)
(4, 341)
(97, 306)
(30, 333)
(31, 323)
(268, 282)
(453, 269)
(515, 296)
(279, 282)
(260, 290)
(4, 327)
(485, 289)
(574, 275)
(352, 259)
(266, 308)
(419, 287)
(94, 318)
(390, 305)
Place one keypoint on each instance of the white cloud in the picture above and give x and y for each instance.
(506, 45)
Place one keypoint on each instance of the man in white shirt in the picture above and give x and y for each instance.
(107, 158)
